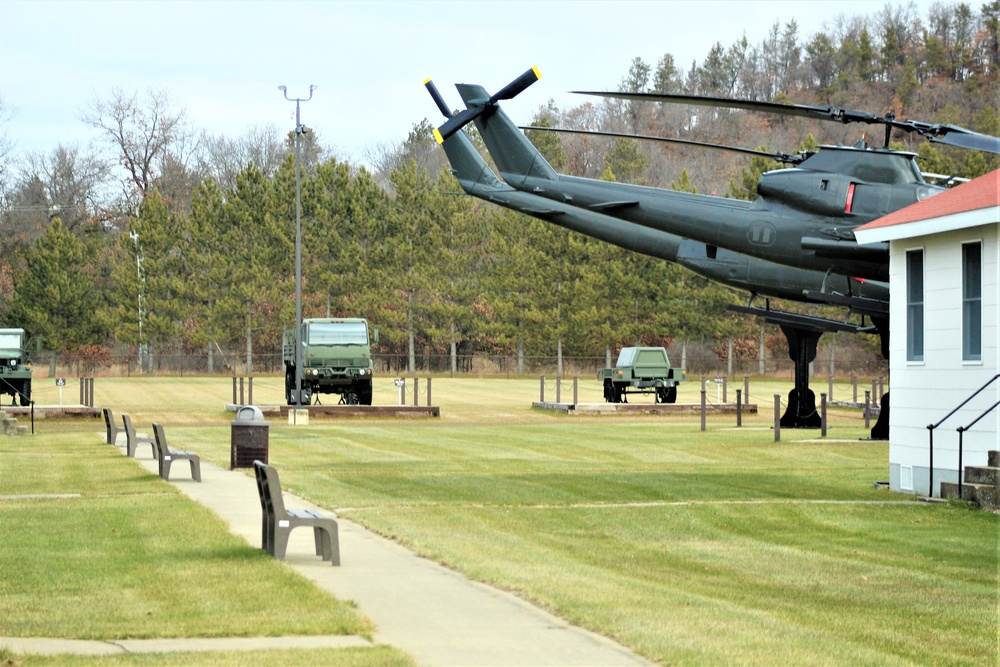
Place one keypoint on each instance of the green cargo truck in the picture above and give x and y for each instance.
(15, 366)
(641, 370)
(336, 359)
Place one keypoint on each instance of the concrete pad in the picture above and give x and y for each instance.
(435, 614)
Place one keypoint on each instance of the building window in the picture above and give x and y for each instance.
(972, 301)
(915, 305)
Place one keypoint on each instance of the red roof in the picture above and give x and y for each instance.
(979, 193)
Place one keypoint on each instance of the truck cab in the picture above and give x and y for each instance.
(336, 359)
(15, 366)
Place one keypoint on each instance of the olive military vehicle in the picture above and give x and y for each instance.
(15, 366)
(641, 370)
(336, 359)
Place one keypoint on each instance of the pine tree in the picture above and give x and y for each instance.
(54, 298)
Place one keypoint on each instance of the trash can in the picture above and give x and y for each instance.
(249, 435)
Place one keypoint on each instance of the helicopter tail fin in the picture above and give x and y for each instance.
(468, 166)
(514, 155)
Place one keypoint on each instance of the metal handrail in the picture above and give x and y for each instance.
(930, 430)
(963, 429)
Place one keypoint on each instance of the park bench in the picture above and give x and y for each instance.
(109, 422)
(277, 522)
(133, 440)
(167, 456)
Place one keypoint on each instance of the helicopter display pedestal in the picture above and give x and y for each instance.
(801, 411)
(802, 333)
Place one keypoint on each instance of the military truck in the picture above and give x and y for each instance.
(336, 359)
(641, 370)
(15, 366)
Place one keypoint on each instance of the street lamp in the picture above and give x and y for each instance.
(300, 130)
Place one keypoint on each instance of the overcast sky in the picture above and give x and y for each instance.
(223, 60)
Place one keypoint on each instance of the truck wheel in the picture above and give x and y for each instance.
(620, 395)
(26, 394)
(365, 393)
(609, 392)
(289, 384)
(670, 394)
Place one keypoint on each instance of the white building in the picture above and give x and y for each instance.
(944, 305)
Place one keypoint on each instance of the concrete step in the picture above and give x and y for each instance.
(986, 496)
(982, 475)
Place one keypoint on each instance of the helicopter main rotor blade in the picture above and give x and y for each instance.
(946, 134)
(777, 156)
(511, 90)
(803, 110)
(959, 136)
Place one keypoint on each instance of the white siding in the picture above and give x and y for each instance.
(924, 392)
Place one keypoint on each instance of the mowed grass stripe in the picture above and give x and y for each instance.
(717, 584)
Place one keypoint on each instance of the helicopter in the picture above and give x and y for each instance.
(803, 219)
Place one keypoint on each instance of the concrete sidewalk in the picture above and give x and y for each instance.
(436, 615)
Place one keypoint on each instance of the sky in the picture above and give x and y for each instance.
(222, 61)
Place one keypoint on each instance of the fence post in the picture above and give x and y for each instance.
(725, 390)
(868, 411)
(777, 417)
(558, 389)
(830, 394)
(576, 386)
(83, 397)
(416, 392)
(739, 409)
(746, 389)
(541, 389)
(91, 403)
(250, 391)
(402, 393)
(703, 404)
(241, 391)
(428, 392)
(822, 402)
(234, 390)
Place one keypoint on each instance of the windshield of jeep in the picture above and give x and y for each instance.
(10, 341)
(626, 357)
(337, 333)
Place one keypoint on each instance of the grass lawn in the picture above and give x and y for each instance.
(95, 547)
(691, 547)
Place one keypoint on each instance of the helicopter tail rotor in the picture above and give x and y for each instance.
(477, 108)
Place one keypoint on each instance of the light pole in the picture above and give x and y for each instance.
(142, 282)
(300, 130)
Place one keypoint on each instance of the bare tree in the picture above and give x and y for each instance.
(224, 158)
(142, 130)
(6, 143)
(72, 181)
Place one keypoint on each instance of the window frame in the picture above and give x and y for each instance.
(914, 306)
(972, 303)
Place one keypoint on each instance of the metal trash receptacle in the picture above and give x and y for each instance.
(249, 436)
